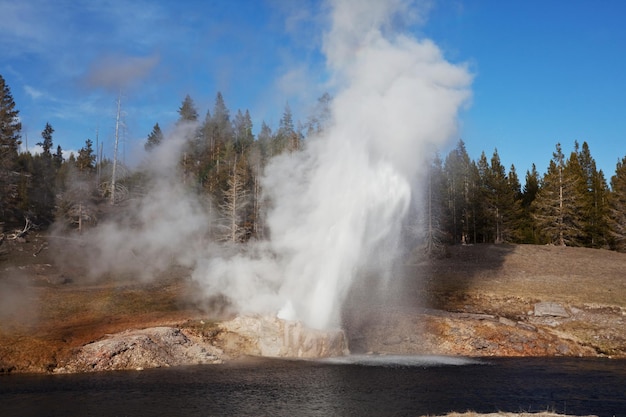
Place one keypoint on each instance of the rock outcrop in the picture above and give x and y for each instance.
(146, 348)
(466, 334)
(156, 347)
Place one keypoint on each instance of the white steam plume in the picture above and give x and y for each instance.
(339, 205)
(167, 225)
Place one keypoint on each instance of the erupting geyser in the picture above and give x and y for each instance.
(338, 205)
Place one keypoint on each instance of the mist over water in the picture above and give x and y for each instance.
(338, 206)
(402, 360)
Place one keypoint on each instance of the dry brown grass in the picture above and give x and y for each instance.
(48, 307)
(531, 272)
(56, 308)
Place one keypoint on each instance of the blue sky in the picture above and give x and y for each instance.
(544, 71)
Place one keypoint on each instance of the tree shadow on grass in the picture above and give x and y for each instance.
(426, 282)
(422, 284)
(443, 282)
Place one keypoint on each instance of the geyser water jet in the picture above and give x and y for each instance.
(342, 201)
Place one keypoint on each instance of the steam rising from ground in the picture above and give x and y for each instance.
(167, 225)
(338, 206)
(17, 298)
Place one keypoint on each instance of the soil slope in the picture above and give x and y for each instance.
(477, 300)
(499, 300)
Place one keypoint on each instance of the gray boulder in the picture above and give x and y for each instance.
(550, 309)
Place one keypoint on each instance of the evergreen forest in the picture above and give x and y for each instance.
(464, 201)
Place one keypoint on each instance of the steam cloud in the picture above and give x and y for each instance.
(338, 206)
(118, 71)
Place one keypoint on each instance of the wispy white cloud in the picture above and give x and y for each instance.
(73, 110)
(69, 35)
(63, 107)
(36, 149)
(137, 23)
(33, 92)
(26, 27)
(71, 58)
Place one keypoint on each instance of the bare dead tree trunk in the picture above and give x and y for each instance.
(117, 137)
(80, 218)
(234, 202)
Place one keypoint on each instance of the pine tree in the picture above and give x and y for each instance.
(557, 204)
(264, 141)
(57, 158)
(10, 128)
(435, 208)
(513, 211)
(575, 171)
(501, 198)
(320, 117)
(475, 214)
(499, 195)
(155, 138)
(46, 143)
(76, 179)
(600, 233)
(593, 192)
(484, 213)
(531, 188)
(217, 129)
(187, 111)
(259, 157)
(25, 165)
(256, 164)
(286, 139)
(85, 162)
(617, 207)
(242, 131)
(217, 151)
(221, 120)
(458, 170)
(187, 119)
(43, 190)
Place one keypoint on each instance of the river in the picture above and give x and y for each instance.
(350, 386)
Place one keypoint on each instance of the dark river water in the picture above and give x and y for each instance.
(352, 386)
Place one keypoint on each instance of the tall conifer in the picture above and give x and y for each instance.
(617, 207)
(10, 127)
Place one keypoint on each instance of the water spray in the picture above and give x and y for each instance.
(342, 201)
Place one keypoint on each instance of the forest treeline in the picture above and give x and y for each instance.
(464, 201)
